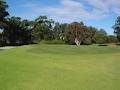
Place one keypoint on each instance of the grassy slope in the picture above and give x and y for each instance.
(54, 67)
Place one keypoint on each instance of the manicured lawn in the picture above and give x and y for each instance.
(60, 67)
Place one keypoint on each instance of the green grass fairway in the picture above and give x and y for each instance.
(60, 67)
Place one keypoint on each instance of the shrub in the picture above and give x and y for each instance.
(87, 42)
(118, 44)
(52, 42)
(2, 43)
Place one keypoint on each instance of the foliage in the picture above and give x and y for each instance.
(17, 32)
(59, 30)
(87, 41)
(52, 42)
(112, 39)
(100, 37)
(3, 13)
(2, 42)
(79, 31)
(42, 29)
(117, 28)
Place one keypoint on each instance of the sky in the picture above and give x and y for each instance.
(98, 13)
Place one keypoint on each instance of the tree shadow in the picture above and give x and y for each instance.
(102, 45)
(118, 44)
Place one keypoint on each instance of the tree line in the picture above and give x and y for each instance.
(16, 31)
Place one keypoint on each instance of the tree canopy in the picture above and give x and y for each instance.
(3, 13)
(117, 27)
(17, 31)
(42, 29)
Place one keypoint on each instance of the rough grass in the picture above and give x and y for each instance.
(60, 67)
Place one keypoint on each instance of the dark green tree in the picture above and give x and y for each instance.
(42, 29)
(90, 35)
(112, 39)
(117, 28)
(3, 13)
(17, 31)
(59, 30)
(100, 37)
(2, 43)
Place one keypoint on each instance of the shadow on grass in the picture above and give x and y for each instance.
(102, 45)
(118, 44)
(1, 49)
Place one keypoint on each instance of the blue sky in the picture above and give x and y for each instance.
(98, 13)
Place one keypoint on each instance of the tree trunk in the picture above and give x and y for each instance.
(77, 41)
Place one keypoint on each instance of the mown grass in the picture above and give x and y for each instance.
(60, 67)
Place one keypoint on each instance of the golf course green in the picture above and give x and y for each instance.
(60, 67)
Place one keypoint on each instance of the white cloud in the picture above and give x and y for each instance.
(75, 9)
(105, 6)
(117, 10)
(70, 9)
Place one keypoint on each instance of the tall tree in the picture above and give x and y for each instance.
(117, 28)
(91, 31)
(100, 37)
(3, 13)
(76, 32)
(42, 29)
(59, 30)
(17, 31)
